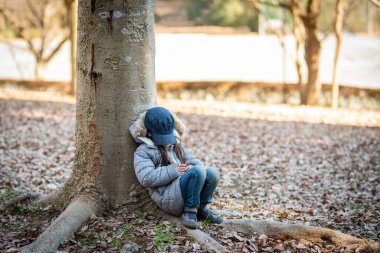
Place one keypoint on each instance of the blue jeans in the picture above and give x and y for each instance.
(198, 185)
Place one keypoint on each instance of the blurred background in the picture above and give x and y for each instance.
(268, 52)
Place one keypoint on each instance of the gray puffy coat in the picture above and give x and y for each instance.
(161, 181)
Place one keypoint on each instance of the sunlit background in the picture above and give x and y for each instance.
(234, 50)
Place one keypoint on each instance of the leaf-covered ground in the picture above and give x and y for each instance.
(296, 164)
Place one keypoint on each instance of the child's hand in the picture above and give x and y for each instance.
(182, 168)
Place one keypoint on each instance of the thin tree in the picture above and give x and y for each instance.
(299, 35)
(338, 35)
(71, 7)
(308, 45)
(308, 42)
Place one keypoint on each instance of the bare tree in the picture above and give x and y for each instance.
(305, 31)
(39, 26)
(338, 34)
(308, 39)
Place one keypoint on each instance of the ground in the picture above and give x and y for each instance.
(304, 165)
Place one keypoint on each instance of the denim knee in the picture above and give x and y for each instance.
(198, 171)
(213, 175)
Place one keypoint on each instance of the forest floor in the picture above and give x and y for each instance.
(295, 164)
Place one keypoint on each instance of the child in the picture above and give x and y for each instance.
(177, 181)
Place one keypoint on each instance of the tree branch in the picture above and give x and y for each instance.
(12, 23)
(376, 3)
(347, 15)
(31, 47)
(56, 49)
(35, 13)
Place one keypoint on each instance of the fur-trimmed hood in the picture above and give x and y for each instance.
(139, 131)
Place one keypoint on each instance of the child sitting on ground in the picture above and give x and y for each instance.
(177, 181)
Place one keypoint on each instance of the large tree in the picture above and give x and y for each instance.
(116, 82)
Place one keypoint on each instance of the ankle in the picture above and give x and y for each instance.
(190, 209)
(202, 206)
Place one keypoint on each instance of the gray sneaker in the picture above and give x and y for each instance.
(189, 219)
(206, 213)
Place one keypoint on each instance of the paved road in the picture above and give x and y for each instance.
(201, 57)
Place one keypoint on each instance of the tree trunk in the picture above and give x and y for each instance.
(338, 35)
(299, 35)
(116, 82)
(72, 12)
(312, 52)
(39, 70)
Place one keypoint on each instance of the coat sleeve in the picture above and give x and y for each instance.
(150, 176)
(190, 159)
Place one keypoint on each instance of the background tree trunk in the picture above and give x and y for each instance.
(338, 35)
(72, 12)
(39, 69)
(312, 52)
(299, 35)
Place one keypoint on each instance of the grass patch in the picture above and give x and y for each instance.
(161, 238)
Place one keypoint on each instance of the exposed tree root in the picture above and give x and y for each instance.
(38, 199)
(19, 199)
(64, 226)
(49, 199)
(81, 209)
(298, 232)
(201, 237)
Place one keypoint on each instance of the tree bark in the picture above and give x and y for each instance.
(338, 34)
(63, 227)
(39, 69)
(116, 82)
(299, 35)
(72, 12)
(312, 52)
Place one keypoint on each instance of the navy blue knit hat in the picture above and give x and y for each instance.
(160, 123)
